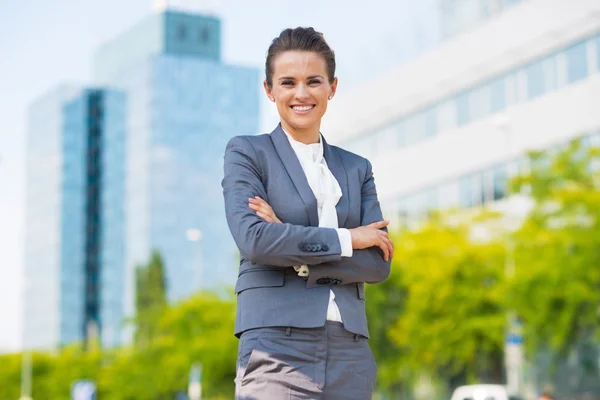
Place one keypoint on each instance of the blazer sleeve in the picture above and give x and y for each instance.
(366, 265)
(281, 245)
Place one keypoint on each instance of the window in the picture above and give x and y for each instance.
(415, 128)
(535, 80)
(511, 89)
(471, 191)
(181, 32)
(204, 35)
(500, 182)
(549, 66)
(431, 122)
(498, 95)
(598, 52)
(446, 116)
(400, 133)
(462, 109)
(479, 102)
(541, 77)
(577, 67)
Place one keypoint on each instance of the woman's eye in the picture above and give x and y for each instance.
(314, 82)
(287, 83)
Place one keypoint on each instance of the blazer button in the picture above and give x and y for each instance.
(336, 281)
(318, 247)
(324, 281)
(313, 247)
(325, 247)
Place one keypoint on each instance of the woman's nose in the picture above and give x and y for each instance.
(301, 91)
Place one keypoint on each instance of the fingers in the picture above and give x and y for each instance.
(384, 242)
(262, 209)
(384, 247)
(390, 245)
(379, 224)
(265, 217)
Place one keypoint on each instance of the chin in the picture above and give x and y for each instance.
(303, 123)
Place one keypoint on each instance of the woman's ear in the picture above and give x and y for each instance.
(268, 91)
(333, 88)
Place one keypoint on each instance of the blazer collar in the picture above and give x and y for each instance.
(294, 170)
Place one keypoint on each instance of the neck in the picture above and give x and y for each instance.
(306, 136)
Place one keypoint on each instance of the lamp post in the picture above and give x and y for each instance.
(513, 342)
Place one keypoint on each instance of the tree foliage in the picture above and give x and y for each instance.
(150, 298)
(556, 289)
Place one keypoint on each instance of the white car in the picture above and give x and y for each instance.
(480, 392)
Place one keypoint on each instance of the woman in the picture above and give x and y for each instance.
(308, 225)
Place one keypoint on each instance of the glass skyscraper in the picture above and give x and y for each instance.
(73, 268)
(135, 167)
(183, 105)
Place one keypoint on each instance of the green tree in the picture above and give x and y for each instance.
(199, 329)
(453, 318)
(556, 288)
(384, 305)
(150, 298)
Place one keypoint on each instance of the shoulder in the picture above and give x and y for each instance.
(247, 142)
(350, 158)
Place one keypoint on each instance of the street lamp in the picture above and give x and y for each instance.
(513, 342)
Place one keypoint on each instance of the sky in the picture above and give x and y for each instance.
(45, 43)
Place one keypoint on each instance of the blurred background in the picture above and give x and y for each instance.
(481, 119)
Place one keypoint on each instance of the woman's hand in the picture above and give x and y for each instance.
(263, 209)
(362, 237)
(371, 235)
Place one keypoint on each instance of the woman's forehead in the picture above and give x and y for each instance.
(299, 63)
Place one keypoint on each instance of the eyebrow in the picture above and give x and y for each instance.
(292, 78)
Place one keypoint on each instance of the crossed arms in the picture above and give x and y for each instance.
(284, 245)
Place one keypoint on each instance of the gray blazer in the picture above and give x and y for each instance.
(269, 292)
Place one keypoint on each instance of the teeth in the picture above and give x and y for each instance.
(302, 108)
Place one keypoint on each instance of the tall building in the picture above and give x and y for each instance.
(132, 166)
(453, 123)
(74, 181)
(449, 127)
(183, 105)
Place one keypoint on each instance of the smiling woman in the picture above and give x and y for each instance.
(301, 89)
(301, 82)
(307, 222)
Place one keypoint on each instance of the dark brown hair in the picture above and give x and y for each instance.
(299, 39)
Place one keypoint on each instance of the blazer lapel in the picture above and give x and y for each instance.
(294, 170)
(336, 166)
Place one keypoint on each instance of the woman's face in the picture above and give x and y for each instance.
(301, 89)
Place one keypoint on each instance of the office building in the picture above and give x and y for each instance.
(73, 260)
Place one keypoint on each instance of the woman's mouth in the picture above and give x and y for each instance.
(302, 109)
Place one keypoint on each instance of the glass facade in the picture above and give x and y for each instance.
(165, 33)
(526, 83)
(112, 274)
(471, 190)
(182, 112)
(64, 228)
(74, 219)
(182, 108)
(43, 241)
(577, 62)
